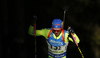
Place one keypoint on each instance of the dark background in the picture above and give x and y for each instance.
(16, 15)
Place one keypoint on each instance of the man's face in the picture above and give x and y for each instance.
(56, 31)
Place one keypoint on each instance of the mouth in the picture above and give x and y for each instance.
(56, 34)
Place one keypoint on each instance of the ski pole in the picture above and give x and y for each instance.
(35, 39)
(35, 18)
(77, 45)
(65, 9)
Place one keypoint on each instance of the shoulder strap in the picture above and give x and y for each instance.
(62, 34)
(50, 33)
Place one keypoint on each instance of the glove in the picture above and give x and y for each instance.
(34, 20)
(70, 30)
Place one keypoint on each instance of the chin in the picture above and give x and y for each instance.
(57, 35)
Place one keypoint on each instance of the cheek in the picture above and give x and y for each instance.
(58, 32)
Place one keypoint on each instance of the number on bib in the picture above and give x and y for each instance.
(55, 47)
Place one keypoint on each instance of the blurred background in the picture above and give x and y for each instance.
(16, 15)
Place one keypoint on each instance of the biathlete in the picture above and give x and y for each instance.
(57, 38)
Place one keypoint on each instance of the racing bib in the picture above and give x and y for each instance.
(57, 51)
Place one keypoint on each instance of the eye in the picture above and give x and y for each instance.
(56, 30)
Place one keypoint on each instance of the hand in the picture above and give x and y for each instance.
(70, 30)
(34, 20)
